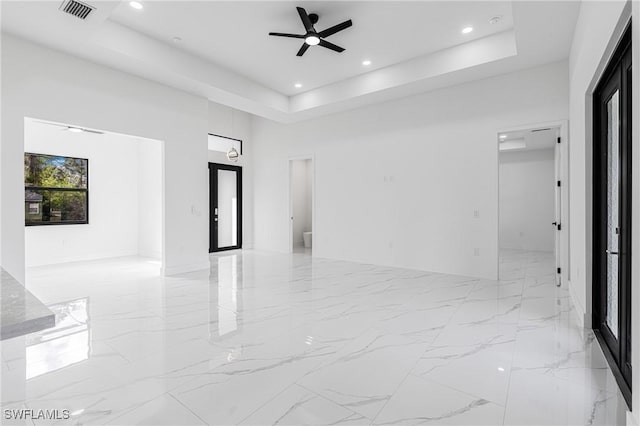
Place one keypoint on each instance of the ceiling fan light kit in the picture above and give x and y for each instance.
(313, 37)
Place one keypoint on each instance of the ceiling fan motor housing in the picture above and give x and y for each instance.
(313, 37)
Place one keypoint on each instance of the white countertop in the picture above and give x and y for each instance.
(21, 312)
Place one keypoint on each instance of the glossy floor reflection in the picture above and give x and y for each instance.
(284, 339)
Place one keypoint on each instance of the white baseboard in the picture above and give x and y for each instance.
(584, 320)
(85, 258)
(183, 269)
(150, 254)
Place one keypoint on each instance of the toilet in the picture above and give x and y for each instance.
(306, 236)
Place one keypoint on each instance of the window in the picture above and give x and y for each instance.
(612, 251)
(224, 144)
(34, 208)
(55, 190)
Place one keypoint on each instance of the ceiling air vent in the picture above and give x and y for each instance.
(76, 8)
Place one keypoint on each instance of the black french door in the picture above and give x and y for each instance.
(225, 207)
(612, 214)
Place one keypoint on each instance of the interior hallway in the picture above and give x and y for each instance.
(270, 338)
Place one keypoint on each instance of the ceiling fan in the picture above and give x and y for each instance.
(313, 37)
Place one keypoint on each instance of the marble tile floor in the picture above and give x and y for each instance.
(265, 339)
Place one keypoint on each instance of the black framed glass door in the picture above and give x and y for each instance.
(225, 207)
(612, 214)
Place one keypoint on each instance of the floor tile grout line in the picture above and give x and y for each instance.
(418, 359)
(105, 342)
(331, 401)
(532, 274)
(513, 355)
(130, 409)
(187, 408)
(369, 329)
(294, 383)
(266, 403)
(469, 394)
(449, 322)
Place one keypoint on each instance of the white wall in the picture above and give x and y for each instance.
(113, 198)
(229, 122)
(398, 183)
(527, 200)
(599, 26)
(308, 214)
(41, 83)
(301, 175)
(150, 190)
(125, 198)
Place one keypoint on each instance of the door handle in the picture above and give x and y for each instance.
(613, 253)
(554, 223)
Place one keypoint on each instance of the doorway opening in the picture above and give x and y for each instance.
(301, 205)
(225, 207)
(530, 201)
(91, 195)
(612, 191)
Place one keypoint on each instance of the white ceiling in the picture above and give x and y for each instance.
(534, 139)
(235, 35)
(227, 56)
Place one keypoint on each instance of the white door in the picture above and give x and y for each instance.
(558, 212)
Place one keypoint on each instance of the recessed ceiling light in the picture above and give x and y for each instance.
(366, 62)
(495, 19)
(503, 136)
(467, 30)
(298, 85)
(75, 129)
(177, 40)
(136, 5)
(312, 40)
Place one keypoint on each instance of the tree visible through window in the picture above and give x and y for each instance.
(55, 190)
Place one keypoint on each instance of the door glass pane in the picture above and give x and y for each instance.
(613, 144)
(227, 209)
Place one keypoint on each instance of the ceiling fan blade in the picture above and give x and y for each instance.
(303, 49)
(331, 46)
(286, 35)
(335, 29)
(305, 19)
